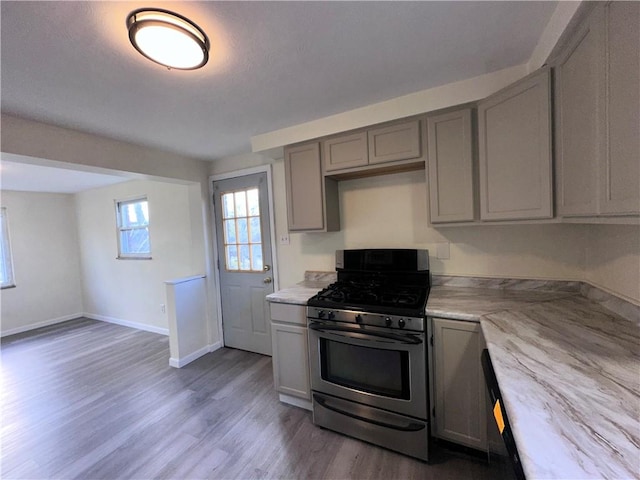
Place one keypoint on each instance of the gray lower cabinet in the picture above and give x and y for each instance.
(597, 93)
(450, 171)
(312, 199)
(459, 391)
(290, 353)
(514, 140)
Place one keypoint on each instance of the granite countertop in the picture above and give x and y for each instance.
(568, 368)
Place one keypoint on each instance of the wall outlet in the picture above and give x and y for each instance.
(163, 308)
(284, 239)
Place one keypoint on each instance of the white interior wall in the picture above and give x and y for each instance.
(391, 211)
(44, 243)
(130, 292)
(613, 259)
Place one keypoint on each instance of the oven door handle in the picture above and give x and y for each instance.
(408, 427)
(350, 333)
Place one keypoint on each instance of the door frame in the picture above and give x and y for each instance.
(272, 227)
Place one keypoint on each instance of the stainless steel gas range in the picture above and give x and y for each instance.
(368, 349)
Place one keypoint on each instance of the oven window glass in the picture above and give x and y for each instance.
(372, 370)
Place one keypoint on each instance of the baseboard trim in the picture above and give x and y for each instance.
(128, 323)
(44, 323)
(295, 401)
(181, 362)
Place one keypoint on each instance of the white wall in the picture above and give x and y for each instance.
(613, 259)
(391, 211)
(44, 243)
(131, 291)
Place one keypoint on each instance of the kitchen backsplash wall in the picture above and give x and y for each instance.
(391, 211)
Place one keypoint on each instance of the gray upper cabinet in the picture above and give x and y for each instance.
(514, 128)
(598, 114)
(579, 116)
(377, 150)
(394, 142)
(312, 200)
(345, 151)
(450, 163)
(620, 168)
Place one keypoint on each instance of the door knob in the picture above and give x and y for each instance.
(267, 280)
(267, 268)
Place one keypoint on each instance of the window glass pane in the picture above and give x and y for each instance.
(135, 241)
(253, 202)
(243, 234)
(256, 257)
(245, 261)
(230, 231)
(227, 205)
(241, 204)
(254, 223)
(232, 257)
(134, 214)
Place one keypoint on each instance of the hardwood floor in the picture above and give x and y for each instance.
(91, 400)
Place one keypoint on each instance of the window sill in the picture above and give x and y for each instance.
(7, 286)
(133, 258)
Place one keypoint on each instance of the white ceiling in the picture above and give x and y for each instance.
(274, 64)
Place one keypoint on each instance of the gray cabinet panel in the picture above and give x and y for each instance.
(515, 151)
(312, 203)
(345, 152)
(579, 109)
(620, 170)
(450, 167)
(460, 398)
(290, 351)
(395, 142)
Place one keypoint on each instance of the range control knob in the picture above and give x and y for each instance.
(358, 318)
(388, 321)
(401, 323)
(320, 313)
(331, 315)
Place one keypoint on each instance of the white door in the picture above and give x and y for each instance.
(244, 258)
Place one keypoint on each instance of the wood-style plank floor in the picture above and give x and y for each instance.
(90, 400)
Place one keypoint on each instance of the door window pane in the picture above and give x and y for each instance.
(242, 230)
(227, 206)
(253, 202)
(243, 234)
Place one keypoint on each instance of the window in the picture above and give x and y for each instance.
(6, 268)
(133, 228)
(242, 234)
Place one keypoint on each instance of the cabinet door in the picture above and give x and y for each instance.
(450, 167)
(290, 360)
(515, 151)
(303, 180)
(579, 110)
(620, 169)
(345, 152)
(459, 383)
(394, 143)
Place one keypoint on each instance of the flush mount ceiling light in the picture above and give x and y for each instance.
(168, 38)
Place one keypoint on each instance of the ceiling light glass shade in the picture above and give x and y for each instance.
(168, 38)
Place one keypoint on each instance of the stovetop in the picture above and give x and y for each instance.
(365, 295)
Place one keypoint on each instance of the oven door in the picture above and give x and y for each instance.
(374, 366)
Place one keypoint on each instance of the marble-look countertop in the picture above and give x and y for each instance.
(568, 369)
(569, 374)
(299, 294)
